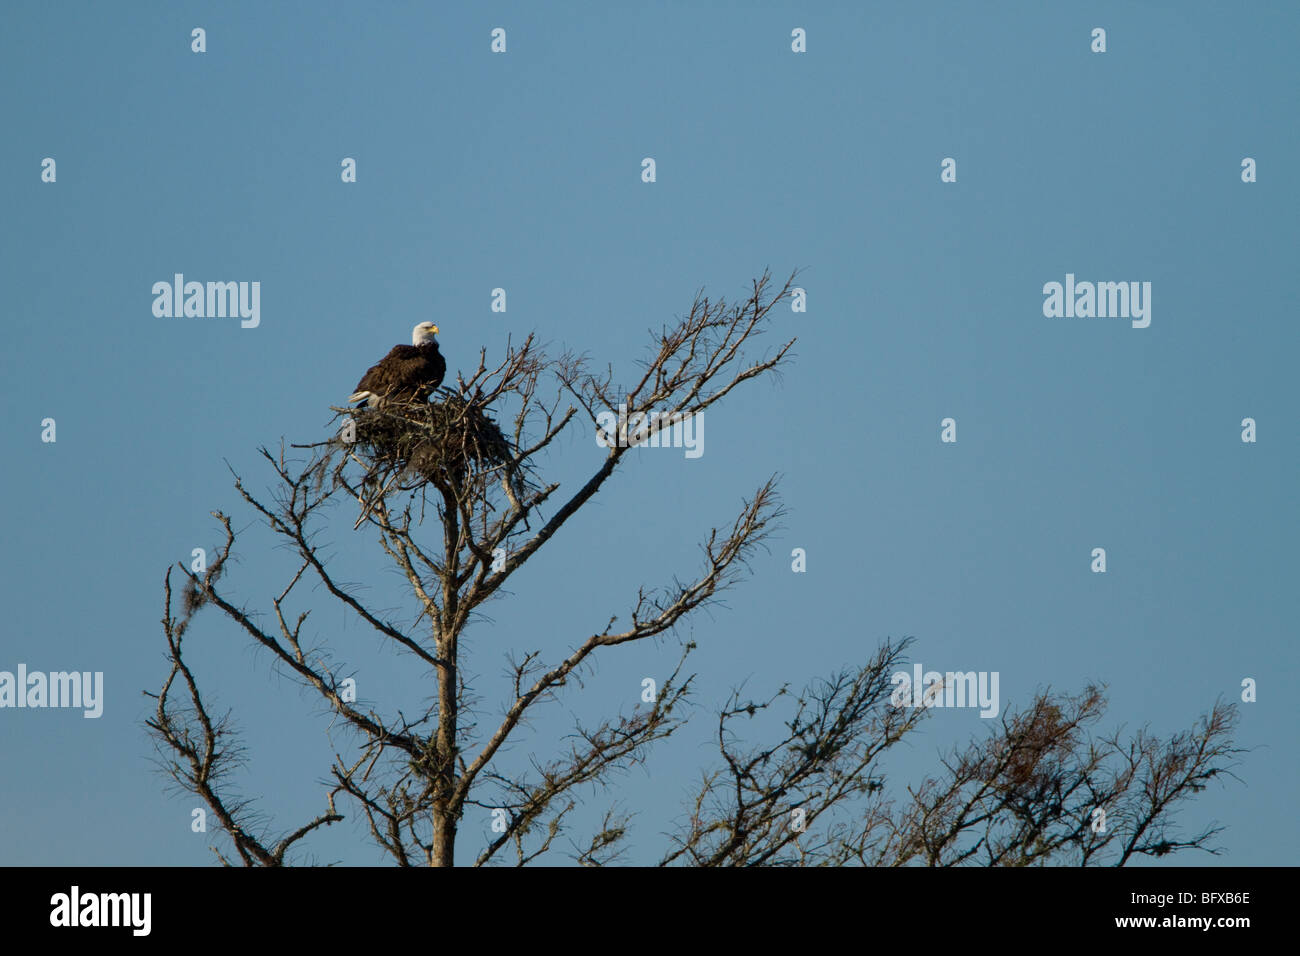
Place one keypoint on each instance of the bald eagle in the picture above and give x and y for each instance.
(409, 373)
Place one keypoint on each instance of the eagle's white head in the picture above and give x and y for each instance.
(424, 333)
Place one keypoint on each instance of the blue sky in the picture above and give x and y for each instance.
(522, 171)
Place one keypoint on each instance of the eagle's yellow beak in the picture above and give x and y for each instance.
(434, 330)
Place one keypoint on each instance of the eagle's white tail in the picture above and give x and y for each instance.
(362, 396)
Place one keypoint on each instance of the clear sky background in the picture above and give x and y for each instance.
(522, 171)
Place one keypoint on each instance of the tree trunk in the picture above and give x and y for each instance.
(444, 839)
(445, 814)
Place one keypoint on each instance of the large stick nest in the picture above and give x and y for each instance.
(448, 442)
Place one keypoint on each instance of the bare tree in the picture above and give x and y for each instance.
(817, 795)
(1037, 789)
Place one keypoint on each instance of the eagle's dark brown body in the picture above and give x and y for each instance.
(409, 373)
